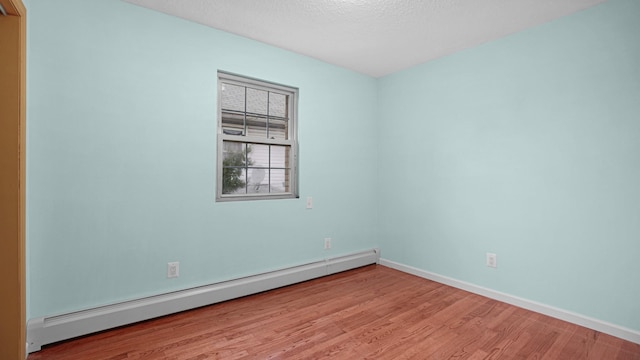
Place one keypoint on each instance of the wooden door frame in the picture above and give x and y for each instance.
(12, 180)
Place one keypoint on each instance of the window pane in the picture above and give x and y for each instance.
(233, 153)
(257, 126)
(232, 123)
(232, 97)
(279, 156)
(256, 101)
(278, 122)
(279, 181)
(277, 105)
(233, 180)
(258, 181)
(233, 168)
(278, 129)
(258, 155)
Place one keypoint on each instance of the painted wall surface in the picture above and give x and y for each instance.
(26, 230)
(528, 147)
(12, 188)
(122, 152)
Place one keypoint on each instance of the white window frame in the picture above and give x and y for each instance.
(291, 141)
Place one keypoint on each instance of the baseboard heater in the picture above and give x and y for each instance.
(47, 330)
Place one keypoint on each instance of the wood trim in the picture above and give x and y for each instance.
(14, 7)
(12, 179)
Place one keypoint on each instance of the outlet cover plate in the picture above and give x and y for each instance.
(173, 270)
(492, 260)
(309, 202)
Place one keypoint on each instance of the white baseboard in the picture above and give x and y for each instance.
(47, 330)
(591, 323)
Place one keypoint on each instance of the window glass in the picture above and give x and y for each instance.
(256, 139)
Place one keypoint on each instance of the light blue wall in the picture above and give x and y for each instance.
(528, 147)
(121, 157)
(27, 269)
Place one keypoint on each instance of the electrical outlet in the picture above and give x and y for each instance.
(327, 243)
(492, 260)
(173, 270)
(309, 202)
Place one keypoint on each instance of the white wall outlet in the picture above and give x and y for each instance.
(309, 202)
(327, 243)
(173, 270)
(492, 260)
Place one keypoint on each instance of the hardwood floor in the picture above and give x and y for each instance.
(369, 313)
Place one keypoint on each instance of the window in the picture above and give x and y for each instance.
(257, 139)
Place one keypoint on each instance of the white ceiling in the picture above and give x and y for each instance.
(374, 37)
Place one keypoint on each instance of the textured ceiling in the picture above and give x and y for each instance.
(374, 37)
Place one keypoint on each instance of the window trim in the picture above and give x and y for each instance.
(291, 142)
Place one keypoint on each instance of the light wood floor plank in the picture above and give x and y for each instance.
(369, 313)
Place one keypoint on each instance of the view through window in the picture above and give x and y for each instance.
(257, 149)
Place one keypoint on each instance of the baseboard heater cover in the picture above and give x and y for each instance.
(47, 330)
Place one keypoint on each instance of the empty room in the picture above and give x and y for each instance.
(342, 179)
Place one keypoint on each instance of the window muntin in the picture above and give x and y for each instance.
(257, 149)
